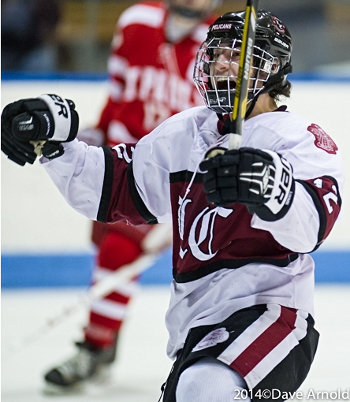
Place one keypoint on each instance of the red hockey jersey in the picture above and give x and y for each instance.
(150, 78)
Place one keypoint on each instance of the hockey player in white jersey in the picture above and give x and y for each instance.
(140, 97)
(241, 315)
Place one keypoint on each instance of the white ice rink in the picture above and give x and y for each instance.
(142, 363)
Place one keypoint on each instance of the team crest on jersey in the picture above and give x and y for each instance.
(219, 335)
(322, 139)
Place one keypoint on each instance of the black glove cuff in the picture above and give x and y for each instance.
(52, 150)
(74, 122)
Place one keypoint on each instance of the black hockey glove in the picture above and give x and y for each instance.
(37, 126)
(262, 180)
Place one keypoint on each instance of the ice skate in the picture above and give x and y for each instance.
(87, 364)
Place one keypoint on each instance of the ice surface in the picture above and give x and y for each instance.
(30, 346)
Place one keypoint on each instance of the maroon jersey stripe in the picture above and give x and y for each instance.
(266, 342)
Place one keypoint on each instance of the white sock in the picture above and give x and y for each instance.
(209, 380)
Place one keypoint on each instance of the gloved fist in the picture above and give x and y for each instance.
(35, 126)
(261, 180)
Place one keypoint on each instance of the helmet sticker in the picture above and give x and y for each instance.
(221, 27)
(278, 24)
(280, 42)
(322, 139)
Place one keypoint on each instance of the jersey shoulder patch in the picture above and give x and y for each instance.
(322, 139)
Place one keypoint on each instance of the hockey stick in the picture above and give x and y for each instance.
(154, 243)
(98, 290)
(241, 93)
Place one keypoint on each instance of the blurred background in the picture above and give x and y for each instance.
(62, 46)
(75, 35)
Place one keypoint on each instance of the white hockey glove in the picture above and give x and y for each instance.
(262, 180)
(35, 126)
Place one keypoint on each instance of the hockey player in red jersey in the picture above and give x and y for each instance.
(241, 314)
(150, 78)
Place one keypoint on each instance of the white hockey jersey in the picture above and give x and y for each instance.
(224, 258)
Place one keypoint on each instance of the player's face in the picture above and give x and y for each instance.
(224, 66)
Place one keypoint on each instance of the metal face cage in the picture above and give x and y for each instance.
(216, 70)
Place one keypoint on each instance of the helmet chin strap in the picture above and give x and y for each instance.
(281, 77)
(252, 105)
(255, 98)
(273, 81)
(225, 127)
